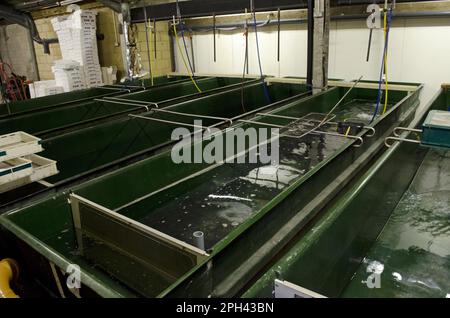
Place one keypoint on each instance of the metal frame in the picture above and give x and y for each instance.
(122, 102)
(401, 139)
(223, 119)
(75, 201)
(313, 132)
(285, 289)
(308, 122)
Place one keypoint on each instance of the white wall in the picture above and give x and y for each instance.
(419, 51)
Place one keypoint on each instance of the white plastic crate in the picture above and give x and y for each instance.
(41, 168)
(14, 169)
(18, 144)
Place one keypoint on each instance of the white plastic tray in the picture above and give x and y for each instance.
(41, 168)
(14, 169)
(18, 144)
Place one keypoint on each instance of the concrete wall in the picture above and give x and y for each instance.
(16, 48)
(418, 52)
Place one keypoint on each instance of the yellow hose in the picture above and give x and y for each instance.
(348, 131)
(182, 56)
(9, 270)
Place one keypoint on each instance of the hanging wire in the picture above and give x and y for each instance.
(266, 91)
(182, 57)
(184, 40)
(387, 21)
(388, 27)
(148, 46)
(245, 65)
(186, 50)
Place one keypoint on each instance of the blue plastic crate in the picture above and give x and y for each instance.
(436, 129)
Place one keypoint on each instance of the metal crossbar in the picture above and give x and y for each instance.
(328, 122)
(170, 122)
(223, 119)
(315, 132)
(148, 106)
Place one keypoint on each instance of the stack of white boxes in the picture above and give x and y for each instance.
(109, 75)
(44, 88)
(69, 75)
(78, 42)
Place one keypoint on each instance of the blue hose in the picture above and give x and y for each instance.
(266, 90)
(185, 49)
(382, 66)
(184, 41)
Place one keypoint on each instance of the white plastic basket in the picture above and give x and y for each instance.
(18, 144)
(14, 169)
(40, 168)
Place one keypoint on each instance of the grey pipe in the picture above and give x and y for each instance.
(199, 239)
(114, 5)
(148, 45)
(234, 26)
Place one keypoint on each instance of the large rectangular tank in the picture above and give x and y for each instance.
(248, 212)
(385, 235)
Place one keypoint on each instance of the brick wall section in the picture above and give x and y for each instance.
(45, 61)
(162, 64)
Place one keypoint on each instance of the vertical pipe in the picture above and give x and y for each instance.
(309, 70)
(154, 36)
(148, 45)
(370, 43)
(279, 34)
(199, 239)
(172, 49)
(246, 43)
(214, 35)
